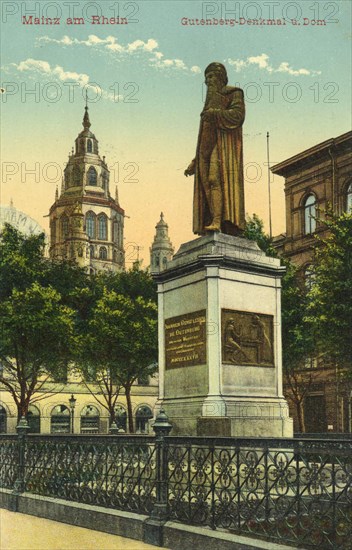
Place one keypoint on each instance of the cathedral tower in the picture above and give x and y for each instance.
(86, 223)
(161, 250)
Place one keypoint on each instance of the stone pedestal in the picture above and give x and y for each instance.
(220, 340)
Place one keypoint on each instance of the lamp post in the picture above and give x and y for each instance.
(72, 402)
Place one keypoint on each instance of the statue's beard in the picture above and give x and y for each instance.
(213, 98)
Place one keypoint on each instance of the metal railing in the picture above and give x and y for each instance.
(296, 491)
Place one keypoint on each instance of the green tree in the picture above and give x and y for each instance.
(297, 340)
(254, 231)
(330, 297)
(21, 260)
(37, 317)
(36, 341)
(118, 342)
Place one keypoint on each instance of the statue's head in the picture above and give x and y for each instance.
(218, 68)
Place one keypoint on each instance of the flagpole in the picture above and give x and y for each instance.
(269, 188)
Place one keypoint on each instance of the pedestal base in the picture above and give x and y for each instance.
(220, 340)
(245, 417)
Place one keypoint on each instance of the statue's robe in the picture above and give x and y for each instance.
(228, 126)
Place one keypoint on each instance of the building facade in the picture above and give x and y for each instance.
(86, 222)
(317, 179)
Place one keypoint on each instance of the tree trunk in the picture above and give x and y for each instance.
(129, 409)
(300, 416)
(22, 408)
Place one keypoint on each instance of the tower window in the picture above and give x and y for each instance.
(89, 146)
(53, 230)
(102, 227)
(76, 176)
(64, 227)
(349, 198)
(90, 225)
(309, 215)
(92, 176)
(116, 232)
(103, 253)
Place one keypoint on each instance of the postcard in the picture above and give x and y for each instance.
(109, 96)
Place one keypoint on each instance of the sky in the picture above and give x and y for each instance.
(145, 86)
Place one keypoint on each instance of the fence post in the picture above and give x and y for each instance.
(153, 526)
(19, 485)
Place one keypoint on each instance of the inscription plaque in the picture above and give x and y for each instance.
(185, 340)
(247, 338)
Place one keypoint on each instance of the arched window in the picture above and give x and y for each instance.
(105, 181)
(91, 251)
(102, 227)
(121, 418)
(33, 419)
(64, 227)
(349, 198)
(92, 176)
(90, 225)
(309, 215)
(3, 420)
(90, 420)
(81, 145)
(60, 420)
(103, 253)
(89, 146)
(143, 415)
(76, 176)
(164, 261)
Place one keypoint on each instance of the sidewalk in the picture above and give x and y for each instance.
(22, 532)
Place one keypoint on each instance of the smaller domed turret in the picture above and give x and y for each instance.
(161, 251)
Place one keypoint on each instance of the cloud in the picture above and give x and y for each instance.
(285, 68)
(150, 49)
(262, 62)
(33, 64)
(45, 69)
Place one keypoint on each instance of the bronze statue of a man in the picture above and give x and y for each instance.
(218, 203)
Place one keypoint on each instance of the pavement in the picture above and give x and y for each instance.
(22, 532)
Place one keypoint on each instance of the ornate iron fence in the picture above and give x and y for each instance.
(296, 491)
(100, 470)
(8, 461)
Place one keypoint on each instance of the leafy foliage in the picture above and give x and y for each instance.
(37, 335)
(254, 231)
(297, 338)
(118, 342)
(330, 298)
(37, 325)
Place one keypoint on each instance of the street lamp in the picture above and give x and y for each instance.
(72, 402)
